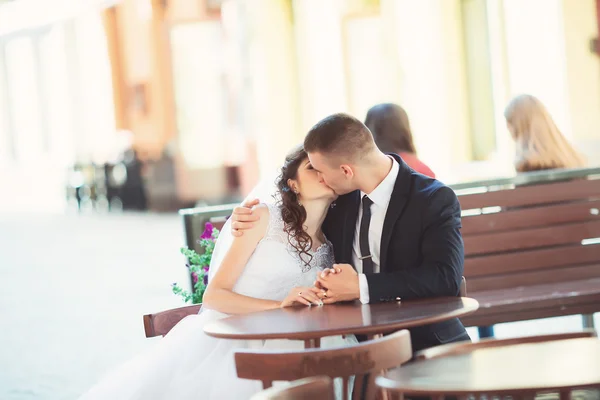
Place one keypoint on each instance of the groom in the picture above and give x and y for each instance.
(395, 232)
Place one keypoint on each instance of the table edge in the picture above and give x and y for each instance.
(386, 383)
(335, 332)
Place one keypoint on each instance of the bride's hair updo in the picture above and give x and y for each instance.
(292, 212)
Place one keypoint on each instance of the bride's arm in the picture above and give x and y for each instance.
(219, 295)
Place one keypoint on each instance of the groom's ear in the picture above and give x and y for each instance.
(347, 170)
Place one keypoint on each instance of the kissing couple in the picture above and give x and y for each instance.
(392, 235)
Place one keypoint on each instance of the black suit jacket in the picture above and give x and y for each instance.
(422, 252)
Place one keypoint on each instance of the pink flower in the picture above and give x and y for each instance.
(208, 230)
(194, 278)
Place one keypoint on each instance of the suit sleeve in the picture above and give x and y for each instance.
(440, 272)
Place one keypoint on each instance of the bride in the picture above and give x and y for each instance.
(273, 265)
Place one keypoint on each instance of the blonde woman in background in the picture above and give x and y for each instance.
(540, 145)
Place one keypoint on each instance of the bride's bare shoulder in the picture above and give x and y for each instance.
(263, 211)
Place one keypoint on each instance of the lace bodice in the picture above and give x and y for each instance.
(275, 267)
(322, 257)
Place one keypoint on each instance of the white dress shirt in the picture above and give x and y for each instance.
(380, 197)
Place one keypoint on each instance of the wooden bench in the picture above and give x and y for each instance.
(532, 246)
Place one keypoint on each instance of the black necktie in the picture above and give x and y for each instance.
(367, 259)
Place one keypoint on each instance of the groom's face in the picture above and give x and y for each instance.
(338, 177)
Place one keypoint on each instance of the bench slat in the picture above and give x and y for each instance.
(526, 302)
(536, 277)
(531, 217)
(531, 238)
(512, 297)
(536, 194)
(491, 317)
(531, 260)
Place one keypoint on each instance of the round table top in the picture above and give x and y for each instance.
(551, 365)
(339, 319)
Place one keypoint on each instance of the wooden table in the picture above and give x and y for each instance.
(312, 323)
(520, 369)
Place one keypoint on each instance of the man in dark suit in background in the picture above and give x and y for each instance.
(395, 232)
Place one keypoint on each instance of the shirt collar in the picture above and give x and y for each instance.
(383, 192)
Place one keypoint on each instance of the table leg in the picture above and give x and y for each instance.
(485, 331)
(370, 381)
(565, 395)
(391, 395)
(312, 343)
(588, 320)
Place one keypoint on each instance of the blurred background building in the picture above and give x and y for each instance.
(158, 105)
(187, 101)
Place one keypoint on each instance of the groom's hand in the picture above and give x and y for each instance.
(339, 283)
(243, 218)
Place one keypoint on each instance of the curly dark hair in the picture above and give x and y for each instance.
(292, 212)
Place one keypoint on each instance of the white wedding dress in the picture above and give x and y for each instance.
(188, 364)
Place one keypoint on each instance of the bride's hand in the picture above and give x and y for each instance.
(301, 295)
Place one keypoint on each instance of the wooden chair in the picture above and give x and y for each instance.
(464, 347)
(194, 220)
(463, 287)
(161, 323)
(362, 360)
(318, 387)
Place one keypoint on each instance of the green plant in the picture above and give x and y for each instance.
(198, 265)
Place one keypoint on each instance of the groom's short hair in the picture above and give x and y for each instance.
(339, 134)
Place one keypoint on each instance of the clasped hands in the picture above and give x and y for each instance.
(335, 284)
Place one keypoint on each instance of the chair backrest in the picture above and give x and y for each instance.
(464, 347)
(318, 387)
(161, 323)
(194, 220)
(514, 235)
(359, 360)
(463, 287)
